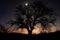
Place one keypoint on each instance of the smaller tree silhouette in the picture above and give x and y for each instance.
(2, 29)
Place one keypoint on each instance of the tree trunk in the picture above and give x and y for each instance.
(30, 32)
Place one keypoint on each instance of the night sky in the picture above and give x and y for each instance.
(7, 8)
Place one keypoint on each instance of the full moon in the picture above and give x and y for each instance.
(26, 4)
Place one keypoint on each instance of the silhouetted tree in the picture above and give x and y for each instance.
(32, 13)
(2, 29)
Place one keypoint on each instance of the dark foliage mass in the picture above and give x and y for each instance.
(33, 13)
(2, 29)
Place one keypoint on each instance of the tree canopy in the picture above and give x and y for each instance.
(33, 13)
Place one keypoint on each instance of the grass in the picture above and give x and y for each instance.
(16, 36)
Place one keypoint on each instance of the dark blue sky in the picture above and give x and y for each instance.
(7, 8)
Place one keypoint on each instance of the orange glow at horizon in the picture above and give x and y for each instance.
(37, 29)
